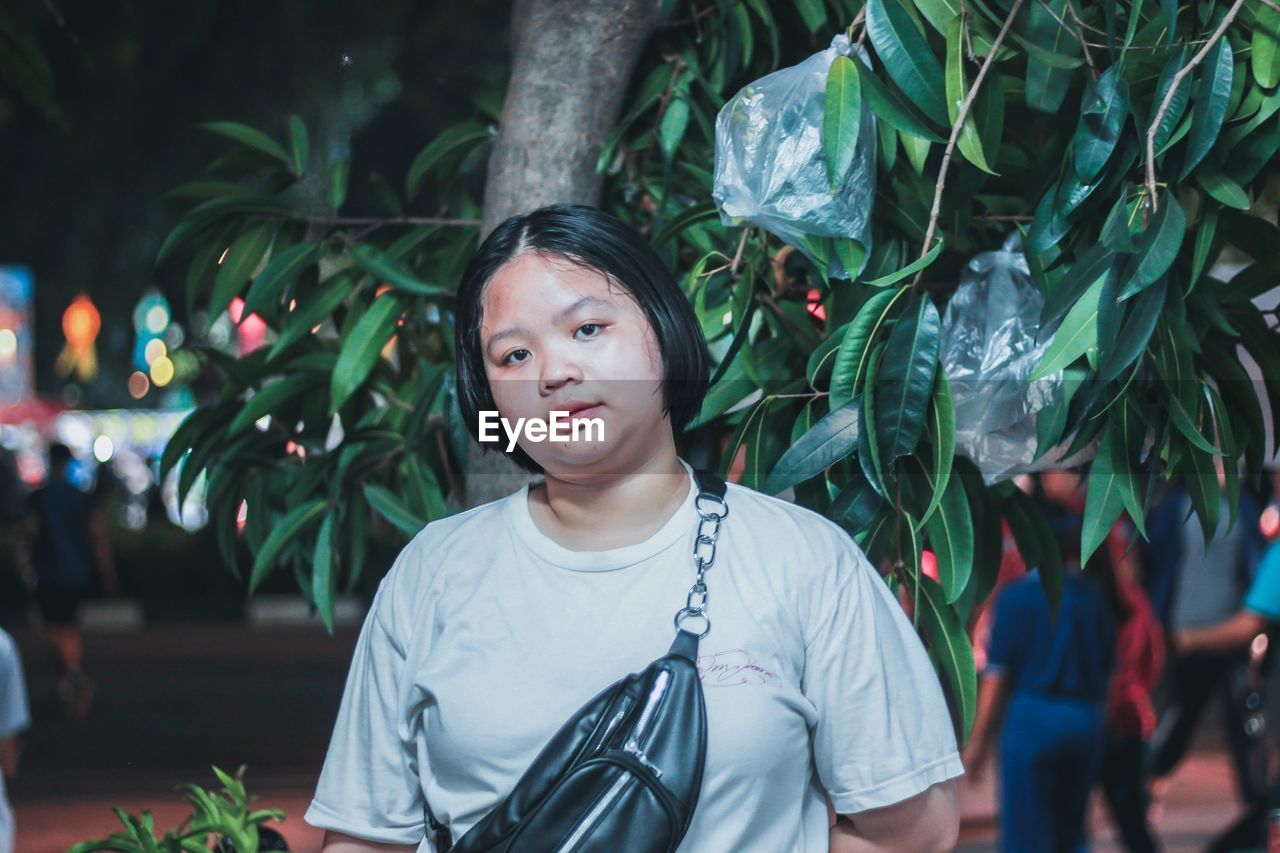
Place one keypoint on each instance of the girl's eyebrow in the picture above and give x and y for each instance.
(516, 331)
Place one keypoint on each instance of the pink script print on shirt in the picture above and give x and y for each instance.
(732, 668)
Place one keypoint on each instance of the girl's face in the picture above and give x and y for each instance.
(559, 337)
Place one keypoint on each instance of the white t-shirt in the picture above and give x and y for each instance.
(486, 635)
(15, 717)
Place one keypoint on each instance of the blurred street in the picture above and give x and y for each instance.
(173, 699)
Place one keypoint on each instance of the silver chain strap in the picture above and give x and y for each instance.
(704, 555)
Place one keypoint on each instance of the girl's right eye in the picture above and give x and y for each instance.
(510, 358)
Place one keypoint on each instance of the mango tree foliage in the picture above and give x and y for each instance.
(1130, 144)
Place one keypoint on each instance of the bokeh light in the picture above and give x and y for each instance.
(162, 371)
(139, 385)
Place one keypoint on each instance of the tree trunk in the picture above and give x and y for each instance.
(572, 61)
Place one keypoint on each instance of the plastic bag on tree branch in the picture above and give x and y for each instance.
(989, 350)
(771, 167)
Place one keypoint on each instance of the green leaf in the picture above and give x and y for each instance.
(1182, 420)
(1135, 333)
(905, 380)
(396, 274)
(907, 57)
(828, 441)
(339, 171)
(268, 400)
(841, 119)
(895, 112)
(910, 269)
(186, 436)
(242, 259)
(1046, 85)
(299, 147)
(312, 309)
(283, 268)
(675, 118)
(942, 439)
(1127, 434)
(1078, 332)
(1159, 244)
(1264, 55)
(1213, 91)
(361, 350)
(1201, 478)
(1103, 499)
(448, 141)
(1222, 188)
(814, 13)
(939, 13)
(969, 143)
(250, 138)
(950, 532)
(917, 151)
(852, 256)
(949, 647)
(281, 535)
(855, 350)
(857, 504)
(1087, 269)
(1177, 105)
(1105, 107)
(390, 507)
(323, 579)
(1204, 243)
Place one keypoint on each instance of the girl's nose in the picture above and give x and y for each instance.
(558, 369)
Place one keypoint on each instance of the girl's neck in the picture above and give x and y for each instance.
(611, 511)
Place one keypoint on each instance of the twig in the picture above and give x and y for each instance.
(1173, 88)
(955, 134)
(737, 256)
(1084, 45)
(859, 19)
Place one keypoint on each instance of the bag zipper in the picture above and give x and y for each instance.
(632, 744)
(593, 816)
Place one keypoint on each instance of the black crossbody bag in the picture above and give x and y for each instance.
(624, 772)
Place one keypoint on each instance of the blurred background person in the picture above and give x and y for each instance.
(1045, 688)
(65, 536)
(1237, 634)
(15, 718)
(1193, 585)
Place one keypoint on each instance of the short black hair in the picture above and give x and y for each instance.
(595, 240)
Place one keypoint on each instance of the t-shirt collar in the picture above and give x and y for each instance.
(672, 531)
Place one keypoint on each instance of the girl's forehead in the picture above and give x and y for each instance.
(533, 280)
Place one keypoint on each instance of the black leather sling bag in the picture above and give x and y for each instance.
(624, 772)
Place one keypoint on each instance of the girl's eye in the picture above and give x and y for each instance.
(510, 358)
(589, 330)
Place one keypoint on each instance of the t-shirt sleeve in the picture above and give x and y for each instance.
(1003, 645)
(369, 786)
(1264, 594)
(883, 733)
(15, 715)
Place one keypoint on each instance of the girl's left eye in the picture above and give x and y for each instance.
(589, 330)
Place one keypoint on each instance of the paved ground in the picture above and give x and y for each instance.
(173, 700)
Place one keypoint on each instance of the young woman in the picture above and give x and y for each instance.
(495, 625)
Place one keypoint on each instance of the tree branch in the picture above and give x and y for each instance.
(1173, 88)
(1084, 44)
(955, 133)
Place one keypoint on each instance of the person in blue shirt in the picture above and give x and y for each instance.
(66, 541)
(1046, 677)
(1259, 613)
